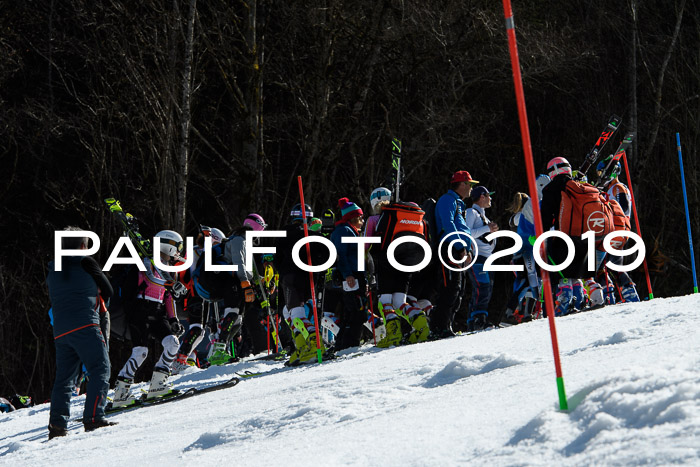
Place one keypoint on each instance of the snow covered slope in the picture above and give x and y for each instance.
(632, 375)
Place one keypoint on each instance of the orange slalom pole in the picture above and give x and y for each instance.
(311, 274)
(636, 222)
(525, 135)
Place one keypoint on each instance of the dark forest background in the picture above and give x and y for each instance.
(196, 112)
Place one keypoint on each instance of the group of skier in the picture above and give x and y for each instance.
(363, 296)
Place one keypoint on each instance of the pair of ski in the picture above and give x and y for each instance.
(330, 357)
(172, 396)
(591, 158)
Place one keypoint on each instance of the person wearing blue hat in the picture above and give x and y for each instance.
(354, 284)
(481, 280)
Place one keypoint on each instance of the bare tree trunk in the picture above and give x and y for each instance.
(185, 122)
(633, 82)
(660, 86)
(252, 143)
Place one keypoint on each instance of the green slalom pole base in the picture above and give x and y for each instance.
(563, 404)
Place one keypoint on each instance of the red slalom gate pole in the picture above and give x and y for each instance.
(525, 135)
(311, 274)
(636, 222)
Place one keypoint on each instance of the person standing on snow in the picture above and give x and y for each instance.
(197, 316)
(481, 280)
(295, 284)
(618, 191)
(77, 294)
(234, 288)
(354, 283)
(152, 314)
(449, 219)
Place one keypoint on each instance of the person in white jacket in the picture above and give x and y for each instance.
(481, 280)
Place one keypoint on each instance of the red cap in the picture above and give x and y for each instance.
(462, 176)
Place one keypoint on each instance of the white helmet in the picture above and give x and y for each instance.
(170, 243)
(378, 195)
(217, 236)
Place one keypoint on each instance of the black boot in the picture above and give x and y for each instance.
(55, 432)
(91, 425)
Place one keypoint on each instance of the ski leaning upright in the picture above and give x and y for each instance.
(131, 228)
(624, 146)
(396, 166)
(592, 156)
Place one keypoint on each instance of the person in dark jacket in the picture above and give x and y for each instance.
(295, 284)
(77, 293)
(354, 283)
(559, 170)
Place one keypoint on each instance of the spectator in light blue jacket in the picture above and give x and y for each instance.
(449, 220)
(354, 282)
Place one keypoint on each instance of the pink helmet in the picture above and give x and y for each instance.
(558, 165)
(255, 222)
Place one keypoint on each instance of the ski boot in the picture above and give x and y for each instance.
(595, 292)
(478, 322)
(218, 354)
(564, 298)
(629, 293)
(299, 348)
(160, 386)
(122, 394)
(393, 333)
(418, 321)
(580, 299)
(311, 350)
(180, 364)
(610, 295)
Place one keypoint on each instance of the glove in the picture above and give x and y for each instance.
(248, 292)
(176, 289)
(175, 326)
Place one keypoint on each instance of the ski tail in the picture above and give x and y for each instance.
(130, 227)
(396, 166)
(610, 129)
(624, 145)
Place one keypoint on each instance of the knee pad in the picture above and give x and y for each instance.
(170, 344)
(385, 299)
(193, 333)
(398, 299)
(139, 354)
(286, 313)
(297, 312)
(228, 311)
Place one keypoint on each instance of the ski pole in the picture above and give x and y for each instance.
(530, 165)
(687, 215)
(311, 274)
(371, 316)
(636, 221)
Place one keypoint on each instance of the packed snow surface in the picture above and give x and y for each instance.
(631, 373)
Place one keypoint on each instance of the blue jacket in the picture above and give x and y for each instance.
(73, 294)
(347, 252)
(449, 217)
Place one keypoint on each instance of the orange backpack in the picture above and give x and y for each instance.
(583, 208)
(399, 219)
